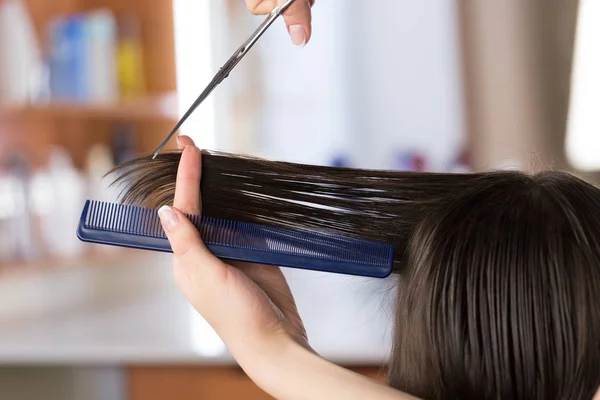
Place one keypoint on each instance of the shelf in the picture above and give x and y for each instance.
(151, 108)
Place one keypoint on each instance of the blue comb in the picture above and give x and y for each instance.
(140, 228)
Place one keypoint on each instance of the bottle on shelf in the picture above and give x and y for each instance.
(82, 57)
(24, 243)
(130, 59)
(101, 39)
(8, 210)
(42, 200)
(67, 61)
(21, 54)
(68, 196)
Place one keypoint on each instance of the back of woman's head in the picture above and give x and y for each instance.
(501, 295)
(499, 292)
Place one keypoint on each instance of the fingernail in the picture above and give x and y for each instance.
(298, 35)
(180, 145)
(168, 218)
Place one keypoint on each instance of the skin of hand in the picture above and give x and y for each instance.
(249, 305)
(297, 18)
(252, 308)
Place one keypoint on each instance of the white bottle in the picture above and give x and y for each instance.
(42, 202)
(24, 243)
(21, 58)
(69, 196)
(101, 30)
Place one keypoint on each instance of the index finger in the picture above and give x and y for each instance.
(187, 186)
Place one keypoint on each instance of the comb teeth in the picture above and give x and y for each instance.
(136, 227)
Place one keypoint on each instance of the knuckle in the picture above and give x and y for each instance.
(189, 207)
(299, 9)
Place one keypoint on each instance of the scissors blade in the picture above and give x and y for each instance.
(265, 25)
(226, 69)
(205, 93)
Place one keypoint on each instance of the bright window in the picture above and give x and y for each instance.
(583, 136)
(193, 55)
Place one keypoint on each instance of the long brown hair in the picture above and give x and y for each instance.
(499, 272)
(369, 204)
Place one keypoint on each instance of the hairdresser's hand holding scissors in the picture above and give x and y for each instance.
(252, 308)
(297, 17)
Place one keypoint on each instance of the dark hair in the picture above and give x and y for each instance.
(501, 297)
(499, 272)
(369, 204)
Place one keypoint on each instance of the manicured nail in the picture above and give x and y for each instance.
(181, 140)
(298, 35)
(168, 218)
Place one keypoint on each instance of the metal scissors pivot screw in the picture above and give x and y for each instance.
(227, 68)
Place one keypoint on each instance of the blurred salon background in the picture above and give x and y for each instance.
(430, 85)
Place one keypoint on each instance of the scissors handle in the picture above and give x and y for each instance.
(262, 29)
(227, 68)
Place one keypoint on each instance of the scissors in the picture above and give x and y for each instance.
(227, 68)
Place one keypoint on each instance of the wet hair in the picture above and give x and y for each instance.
(498, 273)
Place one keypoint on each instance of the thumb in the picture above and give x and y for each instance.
(200, 266)
(298, 19)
